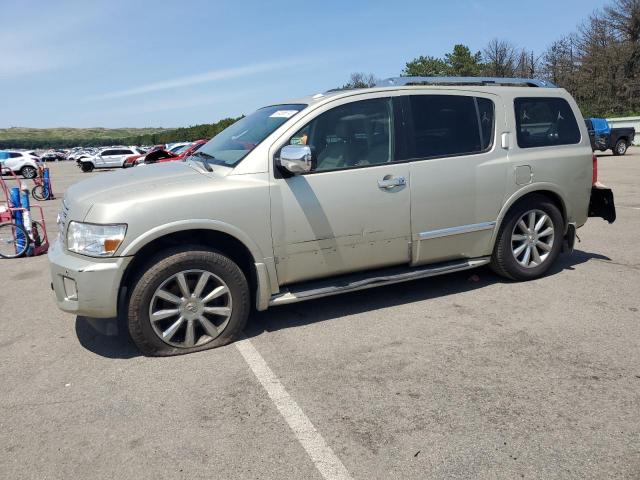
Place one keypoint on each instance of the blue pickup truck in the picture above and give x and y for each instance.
(603, 137)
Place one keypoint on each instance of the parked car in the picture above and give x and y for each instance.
(130, 161)
(184, 152)
(112, 157)
(23, 163)
(604, 138)
(329, 194)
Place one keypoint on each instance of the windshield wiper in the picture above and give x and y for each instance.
(205, 159)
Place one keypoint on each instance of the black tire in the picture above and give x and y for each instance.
(28, 172)
(86, 167)
(38, 233)
(164, 266)
(503, 260)
(11, 235)
(38, 193)
(621, 147)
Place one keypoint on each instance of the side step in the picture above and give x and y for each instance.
(369, 279)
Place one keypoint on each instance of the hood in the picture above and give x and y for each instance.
(129, 184)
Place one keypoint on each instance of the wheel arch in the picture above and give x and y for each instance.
(209, 234)
(549, 191)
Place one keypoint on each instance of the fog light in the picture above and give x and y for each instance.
(70, 288)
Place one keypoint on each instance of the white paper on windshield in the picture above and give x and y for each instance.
(283, 114)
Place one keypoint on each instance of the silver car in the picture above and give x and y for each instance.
(329, 194)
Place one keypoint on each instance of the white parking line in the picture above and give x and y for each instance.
(327, 463)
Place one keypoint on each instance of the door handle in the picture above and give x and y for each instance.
(390, 182)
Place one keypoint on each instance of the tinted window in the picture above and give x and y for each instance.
(543, 122)
(445, 125)
(352, 135)
(15, 155)
(107, 153)
(486, 116)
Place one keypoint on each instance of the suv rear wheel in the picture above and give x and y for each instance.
(28, 172)
(188, 300)
(529, 240)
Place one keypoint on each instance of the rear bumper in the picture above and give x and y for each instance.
(601, 203)
(84, 285)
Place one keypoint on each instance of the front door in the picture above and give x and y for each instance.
(352, 211)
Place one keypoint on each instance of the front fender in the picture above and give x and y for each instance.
(193, 224)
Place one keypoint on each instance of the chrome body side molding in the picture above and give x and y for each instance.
(445, 232)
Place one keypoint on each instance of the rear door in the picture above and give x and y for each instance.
(458, 173)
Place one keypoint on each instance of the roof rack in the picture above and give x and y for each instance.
(521, 82)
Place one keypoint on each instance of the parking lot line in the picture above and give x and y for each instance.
(327, 463)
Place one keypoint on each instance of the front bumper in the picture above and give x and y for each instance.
(601, 203)
(86, 286)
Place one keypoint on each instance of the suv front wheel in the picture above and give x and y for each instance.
(529, 240)
(188, 300)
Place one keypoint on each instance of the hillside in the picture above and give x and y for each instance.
(20, 137)
(54, 137)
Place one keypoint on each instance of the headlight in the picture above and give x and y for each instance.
(95, 240)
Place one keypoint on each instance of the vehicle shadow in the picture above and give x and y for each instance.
(105, 337)
(110, 339)
(294, 315)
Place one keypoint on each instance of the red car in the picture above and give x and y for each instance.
(131, 160)
(185, 153)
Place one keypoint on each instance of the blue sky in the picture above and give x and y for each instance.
(139, 63)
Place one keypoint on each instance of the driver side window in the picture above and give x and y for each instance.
(352, 135)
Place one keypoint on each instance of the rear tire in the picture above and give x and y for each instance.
(86, 167)
(621, 147)
(173, 289)
(510, 258)
(28, 172)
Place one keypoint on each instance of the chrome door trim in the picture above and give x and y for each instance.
(445, 232)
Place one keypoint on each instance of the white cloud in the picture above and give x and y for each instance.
(211, 76)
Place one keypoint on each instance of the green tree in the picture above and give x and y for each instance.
(462, 63)
(426, 67)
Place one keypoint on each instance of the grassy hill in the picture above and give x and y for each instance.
(41, 137)
(19, 137)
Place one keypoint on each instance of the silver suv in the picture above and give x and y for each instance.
(329, 194)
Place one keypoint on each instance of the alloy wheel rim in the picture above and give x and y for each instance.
(532, 239)
(190, 308)
(621, 148)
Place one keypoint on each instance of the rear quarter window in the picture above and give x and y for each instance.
(545, 122)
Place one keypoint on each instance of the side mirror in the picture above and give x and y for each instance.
(295, 159)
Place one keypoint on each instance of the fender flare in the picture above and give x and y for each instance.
(526, 190)
(194, 224)
(263, 275)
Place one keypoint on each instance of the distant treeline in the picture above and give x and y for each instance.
(599, 64)
(45, 140)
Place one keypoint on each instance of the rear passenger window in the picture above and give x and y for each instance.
(544, 122)
(448, 125)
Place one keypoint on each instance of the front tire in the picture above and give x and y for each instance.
(621, 147)
(186, 301)
(529, 240)
(86, 167)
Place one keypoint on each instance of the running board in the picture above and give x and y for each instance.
(376, 278)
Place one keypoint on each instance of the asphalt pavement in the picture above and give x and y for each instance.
(459, 376)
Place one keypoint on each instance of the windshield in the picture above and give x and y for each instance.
(235, 142)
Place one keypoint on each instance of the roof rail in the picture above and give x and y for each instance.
(523, 82)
